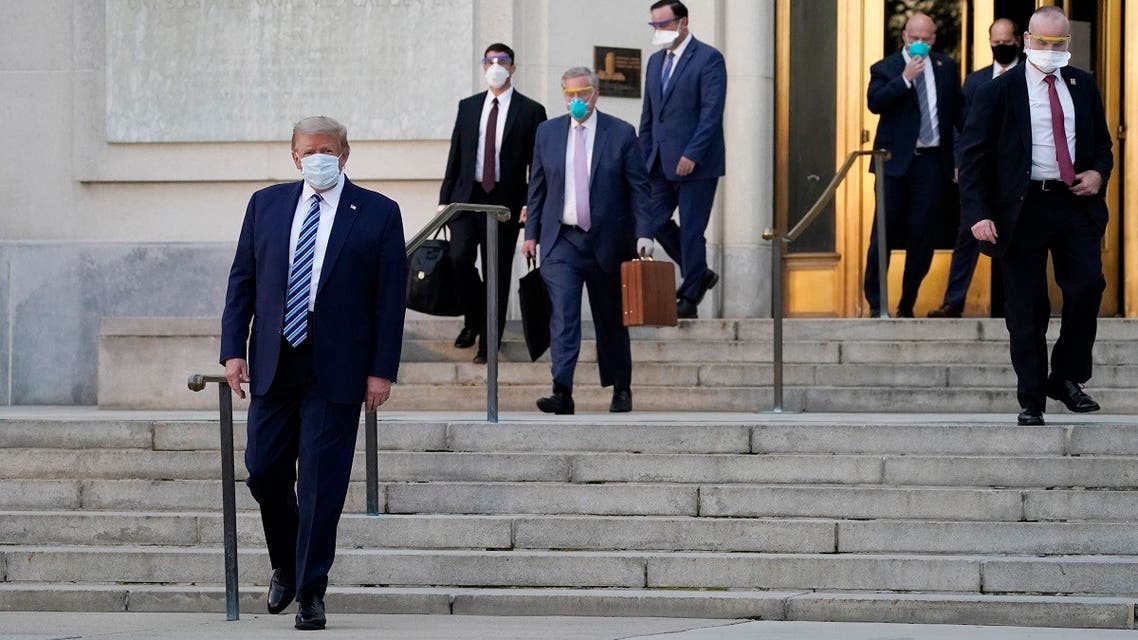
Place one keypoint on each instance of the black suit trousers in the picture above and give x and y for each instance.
(1052, 221)
(468, 239)
(299, 456)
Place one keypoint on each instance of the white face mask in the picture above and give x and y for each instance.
(496, 76)
(664, 38)
(1046, 60)
(320, 170)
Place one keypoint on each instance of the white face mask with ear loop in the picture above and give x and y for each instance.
(664, 38)
(1046, 60)
(496, 76)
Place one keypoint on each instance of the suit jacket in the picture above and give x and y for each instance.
(514, 155)
(900, 112)
(972, 84)
(357, 327)
(996, 151)
(687, 119)
(618, 190)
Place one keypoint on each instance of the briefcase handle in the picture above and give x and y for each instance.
(531, 263)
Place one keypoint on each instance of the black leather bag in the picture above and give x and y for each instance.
(533, 298)
(432, 286)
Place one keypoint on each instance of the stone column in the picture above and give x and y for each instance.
(747, 191)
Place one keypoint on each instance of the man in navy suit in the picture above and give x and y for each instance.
(1036, 157)
(681, 136)
(488, 165)
(1005, 41)
(588, 205)
(320, 271)
(917, 94)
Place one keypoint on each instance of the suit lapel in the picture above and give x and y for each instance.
(599, 138)
(281, 234)
(346, 214)
(653, 83)
(511, 114)
(681, 64)
(1017, 93)
(1083, 125)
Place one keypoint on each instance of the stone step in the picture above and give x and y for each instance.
(597, 533)
(941, 435)
(1081, 612)
(647, 351)
(1092, 575)
(904, 470)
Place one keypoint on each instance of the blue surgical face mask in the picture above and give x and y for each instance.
(320, 170)
(919, 49)
(578, 108)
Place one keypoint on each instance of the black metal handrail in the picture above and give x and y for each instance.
(198, 382)
(779, 239)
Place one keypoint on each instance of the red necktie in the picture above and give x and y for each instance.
(490, 150)
(1059, 132)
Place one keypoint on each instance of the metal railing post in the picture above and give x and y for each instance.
(228, 493)
(491, 271)
(776, 315)
(882, 247)
(371, 461)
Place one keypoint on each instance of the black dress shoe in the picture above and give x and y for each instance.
(946, 311)
(874, 312)
(560, 403)
(904, 313)
(1071, 395)
(621, 401)
(479, 358)
(281, 592)
(310, 617)
(686, 309)
(706, 283)
(1030, 418)
(465, 338)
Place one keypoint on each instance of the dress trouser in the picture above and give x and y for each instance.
(913, 206)
(569, 266)
(299, 456)
(685, 243)
(468, 240)
(1052, 221)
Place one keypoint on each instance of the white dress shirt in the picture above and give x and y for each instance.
(569, 214)
(998, 68)
(677, 53)
(1044, 164)
(499, 131)
(930, 91)
(330, 200)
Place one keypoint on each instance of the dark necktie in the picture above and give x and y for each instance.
(490, 149)
(667, 75)
(300, 277)
(581, 179)
(928, 131)
(1059, 132)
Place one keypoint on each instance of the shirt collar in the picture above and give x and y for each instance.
(999, 68)
(588, 123)
(331, 196)
(679, 51)
(1035, 76)
(502, 99)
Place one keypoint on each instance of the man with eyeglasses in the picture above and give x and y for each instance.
(681, 135)
(1036, 156)
(488, 163)
(916, 91)
(588, 209)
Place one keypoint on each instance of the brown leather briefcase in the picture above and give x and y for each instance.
(648, 293)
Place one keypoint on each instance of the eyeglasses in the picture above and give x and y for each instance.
(573, 93)
(500, 59)
(1050, 39)
(663, 23)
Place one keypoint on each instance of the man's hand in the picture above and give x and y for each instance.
(685, 166)
(236, 372)
(1087, 183)
(985, 230)
(522, 215)
(644, 247)
(529, 248)
(378, 391)
(915, 68)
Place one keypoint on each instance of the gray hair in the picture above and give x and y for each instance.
(577, 72)
(320, 125)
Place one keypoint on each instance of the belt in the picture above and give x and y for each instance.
(1050, 185)
(572, 227)
(921, 151)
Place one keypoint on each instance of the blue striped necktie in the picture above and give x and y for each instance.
(928, 130)
(300, 278)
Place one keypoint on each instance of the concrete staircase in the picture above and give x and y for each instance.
(863, 365)
(874, 518)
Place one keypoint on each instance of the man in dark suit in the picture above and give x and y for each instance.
(1036, 158)
(1004, 38)
(681, 136)
(320, 271)
(917, 94)
(489, 159)
(588, 205)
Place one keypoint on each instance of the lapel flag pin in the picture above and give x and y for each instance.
(352, 207)
(1072, 82)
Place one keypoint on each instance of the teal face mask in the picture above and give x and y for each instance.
(919, 49)
(578, 108)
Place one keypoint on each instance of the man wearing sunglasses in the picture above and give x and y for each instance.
(490, 151)
(681, 136)
(1036, 155)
